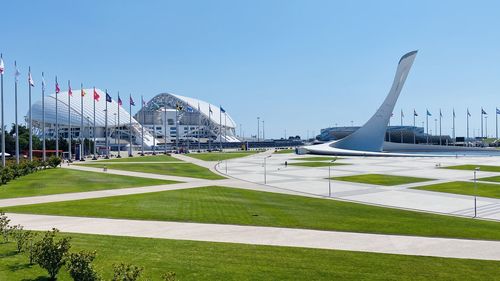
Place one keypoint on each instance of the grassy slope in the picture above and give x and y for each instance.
(316, 158)
(465, 188)
(316, 164)
(237, 206)
(216, 156)
(379, 179)
(54, 181)
(222, 261)
(172, 169)
(485, 168)
(155, 158)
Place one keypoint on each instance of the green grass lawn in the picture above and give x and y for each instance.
(246, 207)
(491, 179)
(316, 158)
(485, 168)
(54, 181)
(316, 164)
(465, 188)
(216, 156)
(152, 158)
(284, 151)
(171, 169)
(192, 260)
(379, 179)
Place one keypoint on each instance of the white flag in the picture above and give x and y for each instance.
(30, 80)
(2, 66)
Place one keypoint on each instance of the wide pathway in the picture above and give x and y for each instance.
(274, 236)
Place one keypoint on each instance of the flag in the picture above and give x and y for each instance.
(30, 80)
(415, 113)
(210, 110)
(2, 66)
(70, 93)
(392, 114)
(402, 114)
(223, 111)
(96, 95)
(17, 73)
(120, 103)
(82, 92)
(453, 113)
(43, 83)
(108, 97)
(132, 103)
(440, 114)
(483, 112)
(468, 113)
(57, 87)
(428, 113)
(498, 111)
(189, 109)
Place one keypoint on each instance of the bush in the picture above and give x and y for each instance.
(169, 276)
(126, 272)
(6, 174)
(4, 226)
(49, 254)
(54, 161)
(80, 266)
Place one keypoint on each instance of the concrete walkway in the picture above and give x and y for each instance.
(274, 236)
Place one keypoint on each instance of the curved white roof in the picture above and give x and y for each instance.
(88, 109)
(204, 109)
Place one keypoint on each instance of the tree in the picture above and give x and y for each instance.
(21, 236)
(126, 272)
(80, 266)
(54, 161)
(4, 226)
(49, 253)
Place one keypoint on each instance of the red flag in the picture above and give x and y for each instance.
(57, 88)
(120, 103)
(96, 95)
(69, 90)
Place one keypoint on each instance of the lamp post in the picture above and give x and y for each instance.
(265, 172)
(258, 128)
(330, 178)
(475, 192)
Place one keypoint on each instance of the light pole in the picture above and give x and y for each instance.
(265, 173)
(258, 128)
(330, 178)
(475, 192)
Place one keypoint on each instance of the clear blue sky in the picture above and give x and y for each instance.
(299, 65)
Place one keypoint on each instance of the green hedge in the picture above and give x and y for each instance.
(12, 170)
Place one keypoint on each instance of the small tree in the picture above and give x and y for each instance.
(54, 161)
(21, 237)
(30, 246)
(49, 253)
(80, 266)
(169, 276)
(126, 272)
(4, 226)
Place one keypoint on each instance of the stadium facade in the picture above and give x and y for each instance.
(157, 123)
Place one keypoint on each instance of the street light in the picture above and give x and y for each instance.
(265, 173)
(475, 191)
(330, 178)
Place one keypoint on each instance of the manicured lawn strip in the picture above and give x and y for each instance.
(217, 156)
(170, 169)
(465, 188)
(59, 180)
(491, 179)
(284, 151)
(379, 179)
(192, 260)
(486, 168)
(317, 158)
(316, 164)
(246, 207)
(152, 158)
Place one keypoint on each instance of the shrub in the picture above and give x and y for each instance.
(49, 253)
(169, 276)
(54, 161)
(4, 226)
(22, 238)
(6, 174)
(80, 266)
(126, 272)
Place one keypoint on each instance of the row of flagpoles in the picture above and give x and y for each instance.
(468, 115)
(31, 84)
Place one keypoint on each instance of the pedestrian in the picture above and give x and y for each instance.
(286, 164)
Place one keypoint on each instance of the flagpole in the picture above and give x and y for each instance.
(481, 123)
(130, 126)
(496, 122)
(401, 126)
(118, 128)
(209, 121)
(154, 132)
(93, 130)
(44, 153)
(3, 128)
(414, 128)
(427, 124)
(165, 124)
(106, 126)
(199, 125)
(142, 126)
(30, 118)
(220, 128)
(440, 118)
(454, 129)
(176, 127)
(57, 122)
(17, 125)
(69, 121)
(225, 126)
(81, 123)
(467, 126)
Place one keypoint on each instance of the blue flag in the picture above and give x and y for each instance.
(415, 113)
(222, 110)
(483, 112)
(108, 97)
(498, 111)
(428, 113)
(468, 113)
